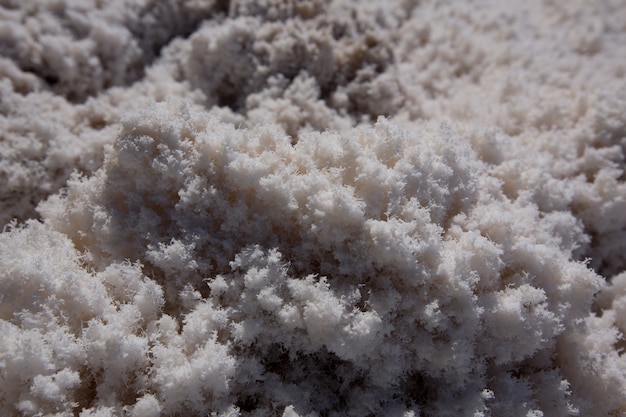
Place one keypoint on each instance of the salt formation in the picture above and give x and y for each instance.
(313, 208)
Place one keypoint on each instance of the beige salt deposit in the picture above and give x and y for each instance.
(312, 208)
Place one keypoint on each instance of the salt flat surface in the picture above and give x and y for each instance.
(312, 208)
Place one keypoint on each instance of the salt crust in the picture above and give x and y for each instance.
(312, 208)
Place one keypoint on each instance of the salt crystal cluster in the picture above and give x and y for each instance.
(312, 208)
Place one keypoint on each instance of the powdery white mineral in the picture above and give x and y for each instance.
(312, 208)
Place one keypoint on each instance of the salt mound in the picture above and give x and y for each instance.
(313, 208)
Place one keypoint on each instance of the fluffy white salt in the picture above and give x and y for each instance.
(312, 208)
